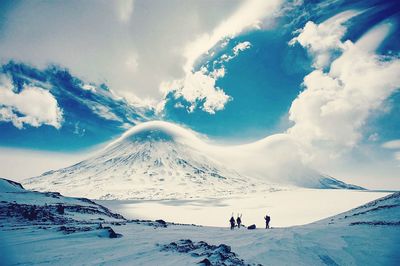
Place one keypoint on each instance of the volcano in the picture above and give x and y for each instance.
(151, 161)
(161, 160)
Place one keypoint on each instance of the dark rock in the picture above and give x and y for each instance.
(251, 227)
(112, 233)
(205, 262)
(55, 195)
(214, 255)
(162, 222)
(60, 209)
(387, 223)
(62, 228)
(72, 229)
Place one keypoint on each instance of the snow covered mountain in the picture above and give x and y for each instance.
(160, 160)
(152, 160)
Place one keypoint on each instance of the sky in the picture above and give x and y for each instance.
(130, 45)
(323, 73)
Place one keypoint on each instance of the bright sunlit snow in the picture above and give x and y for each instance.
(218, 132)
(283, 206)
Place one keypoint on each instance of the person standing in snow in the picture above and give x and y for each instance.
(232, 221)
(267, 220)
(239, 220)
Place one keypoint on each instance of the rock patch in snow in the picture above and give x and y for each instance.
(214, 255)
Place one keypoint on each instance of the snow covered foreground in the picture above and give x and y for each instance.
(367, 235)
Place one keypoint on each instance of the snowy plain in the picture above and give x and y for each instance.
(283, 207)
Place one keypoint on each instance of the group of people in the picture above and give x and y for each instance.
(238, 221)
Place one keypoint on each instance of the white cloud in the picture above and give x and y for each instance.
(103, 112)
(199, 87)
(334, 106)
(146, 103)
(393, 144)
(131, 63)
(33, 106)
(218, 73)
(397, 156)
(248, 15)
(241, 47)
(371, 41)
(129, 46)
(89, 87)
(124, 9)
(321, 40)
(373, 137)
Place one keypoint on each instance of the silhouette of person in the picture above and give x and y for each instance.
(232, 221)
(267, 220)
(239, 220)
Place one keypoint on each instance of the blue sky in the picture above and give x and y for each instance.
(235, 71)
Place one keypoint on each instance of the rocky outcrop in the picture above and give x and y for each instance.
(211, 255)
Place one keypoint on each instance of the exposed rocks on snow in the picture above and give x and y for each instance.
(374, 209)
(158, 223)
(155, 224)
(377, 223)
(214, 255)
(390, 203)
(54, 214)
(74, 229)
(38, 214)
(251, 227)
(60, 209)
(395, 197)
(161, 222)
(111, 233)
(52, 209)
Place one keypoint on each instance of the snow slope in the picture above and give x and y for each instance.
(16, 206)
(9, 186)
(160, 160)
(150, 162)
(367, 235)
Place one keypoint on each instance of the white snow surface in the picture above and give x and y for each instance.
(160, 160)
(367, 235)
(287, 207)
(7, 186)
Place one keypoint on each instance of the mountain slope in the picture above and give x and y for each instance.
(160, 160)
(153, 161)
(19, 205)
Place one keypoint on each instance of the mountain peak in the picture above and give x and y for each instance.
(157, 131)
